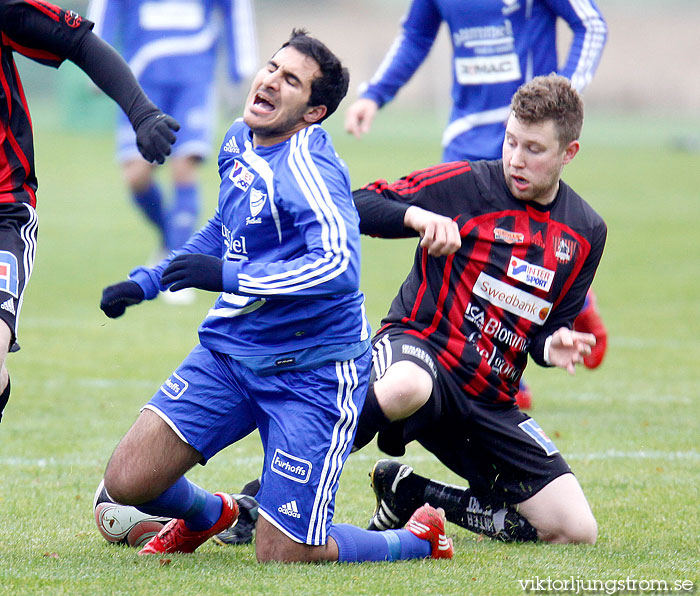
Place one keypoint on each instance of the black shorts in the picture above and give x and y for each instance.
(18, 230)
(501, 451)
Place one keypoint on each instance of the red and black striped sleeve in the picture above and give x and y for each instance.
(41, 30)
(382, 206)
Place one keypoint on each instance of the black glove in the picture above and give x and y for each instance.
(154, 136)
(194, 271)
(116, 298)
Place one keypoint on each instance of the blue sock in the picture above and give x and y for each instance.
(356, 544)
(185, 500)
(182, 217)
(150, 201)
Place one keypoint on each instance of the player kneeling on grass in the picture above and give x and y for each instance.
(284, 349)
(507, 253)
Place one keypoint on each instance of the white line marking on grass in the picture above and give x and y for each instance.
(412, 459)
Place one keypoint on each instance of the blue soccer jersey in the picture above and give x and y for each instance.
(288, 232)
(497, 46)
(174, 41)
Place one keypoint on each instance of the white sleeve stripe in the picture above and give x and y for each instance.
(311, 191)
(333, 231)
(244, 39)
(174, 46)
(311, 271)
(593, 43)
(388, 59)
(340, 236)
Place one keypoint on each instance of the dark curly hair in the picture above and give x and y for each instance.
(331, 87)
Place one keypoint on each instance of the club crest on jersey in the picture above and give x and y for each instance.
(501, 235)
(532, 275)
(174, 386)
(241, 176)
(231, 146)
(257, 201)
(72, 19)
(291, 467)
(8, 273)
(565, 249)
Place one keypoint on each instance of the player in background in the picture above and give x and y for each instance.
(49, 35)
(284, 349)
(172, 48)
(497, 45)
(450, 353)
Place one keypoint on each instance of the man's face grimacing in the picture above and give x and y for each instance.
(276, 107)
(533, 160)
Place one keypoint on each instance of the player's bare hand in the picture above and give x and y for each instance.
(567, 348)
(359, 116)
(439, 234)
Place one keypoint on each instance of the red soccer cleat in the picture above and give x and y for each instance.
(590, 321)
(428, 523)
(175, 537)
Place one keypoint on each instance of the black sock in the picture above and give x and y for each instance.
(464, 509)
(4, 397)
(251, 489)
(371, 421)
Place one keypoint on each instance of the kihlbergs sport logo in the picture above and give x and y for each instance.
(291, 467)
(512, 299)
(532, 275)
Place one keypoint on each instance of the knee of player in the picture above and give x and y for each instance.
(579, 529)
(123, 488)
(403, 389)
(585, 531)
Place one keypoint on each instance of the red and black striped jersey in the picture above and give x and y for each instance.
(522, 271)
(47, 34)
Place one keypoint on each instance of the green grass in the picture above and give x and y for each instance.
(629, 429)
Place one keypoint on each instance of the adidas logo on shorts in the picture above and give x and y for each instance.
(8, 305)
(289, 509)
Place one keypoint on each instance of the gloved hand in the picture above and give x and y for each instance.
(194, 271)
(154, 136)
(117, 297)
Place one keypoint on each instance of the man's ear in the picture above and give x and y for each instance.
(314, 114)
(571, 151)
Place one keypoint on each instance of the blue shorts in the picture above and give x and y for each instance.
(193, 106)
(307, 422)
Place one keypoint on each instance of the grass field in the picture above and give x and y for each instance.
(629, 429)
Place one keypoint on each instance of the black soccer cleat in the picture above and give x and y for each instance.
(243, 531)
(391, 512)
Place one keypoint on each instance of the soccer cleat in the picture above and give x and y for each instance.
(523, 398)
(428, 523)
(389, 513)
(242, 532)
(175, 537)
(590, 321)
